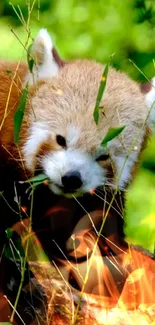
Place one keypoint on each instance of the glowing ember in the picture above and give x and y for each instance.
(92, 191)
(24, 209)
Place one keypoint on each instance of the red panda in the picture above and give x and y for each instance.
(59, 135)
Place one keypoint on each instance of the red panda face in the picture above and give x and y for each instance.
(63, 138)
(70, 172)
(72, 169)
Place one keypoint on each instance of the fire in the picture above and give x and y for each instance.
(105, 282)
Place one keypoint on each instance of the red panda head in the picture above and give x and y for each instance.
(64, 140)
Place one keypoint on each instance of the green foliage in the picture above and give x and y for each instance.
(30, 61)
(6, 8)
(37, 180)
(100, 93)
(19, 114)
(9, 233)
(140, 204)
(111, 134)
(93, 29)
(14, 252)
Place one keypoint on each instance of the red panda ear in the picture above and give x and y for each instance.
(46, 64)
(145, 87)
(150, 94)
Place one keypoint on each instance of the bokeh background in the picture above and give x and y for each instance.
(87, 28)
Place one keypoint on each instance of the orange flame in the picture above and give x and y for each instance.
(112, 285)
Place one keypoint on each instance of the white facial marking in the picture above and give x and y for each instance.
(39, 133)
(124, 166)
(57, 164)
(150, 96)
(150, 100)
(73, 134)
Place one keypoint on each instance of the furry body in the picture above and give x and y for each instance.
(61, 103)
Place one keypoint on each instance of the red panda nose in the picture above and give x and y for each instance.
(71, 181)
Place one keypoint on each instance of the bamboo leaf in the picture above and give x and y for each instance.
(37, 179)
(9, 233)
(16, 252)
(35, 184)
(100, 93)
(111, 134)
(18, 117)
(30, 61)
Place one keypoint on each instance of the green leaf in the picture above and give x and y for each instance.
(19, 114)
(16, 252)
(30, 61)
(100, 93)
(148, 157)
(9, 232)
(8, 253)
(39, 178)
(111, 134)
(35, 184)
(5, 323)
(8, 71)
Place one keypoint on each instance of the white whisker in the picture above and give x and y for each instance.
(108, 204)
(93, 225)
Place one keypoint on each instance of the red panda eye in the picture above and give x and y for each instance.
(61, 140)
(102, 158)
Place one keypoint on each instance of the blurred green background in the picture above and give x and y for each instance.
(140, 202)
(91, 28)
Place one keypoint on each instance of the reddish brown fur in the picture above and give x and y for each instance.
(45, 148)
(9, 82)
(12, 77)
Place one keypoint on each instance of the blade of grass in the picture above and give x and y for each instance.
(19, 114)
(100, 93)
(30, 61)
